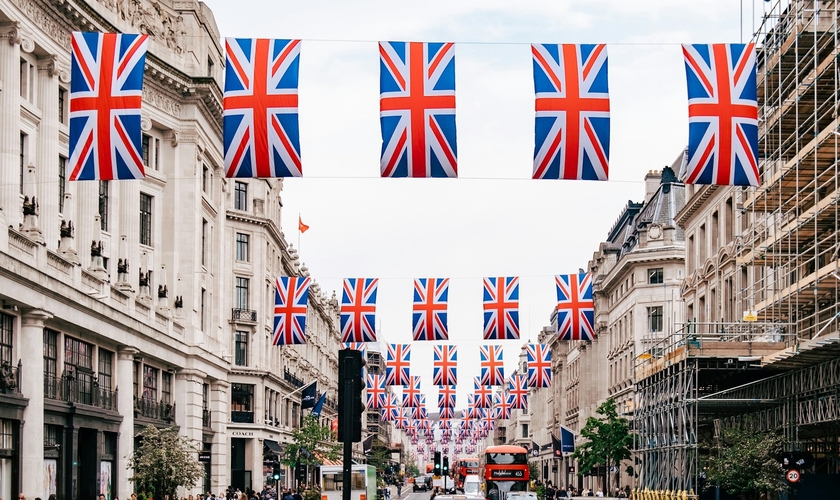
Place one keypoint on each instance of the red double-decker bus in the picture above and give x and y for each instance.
(505, 470)
(464, 467)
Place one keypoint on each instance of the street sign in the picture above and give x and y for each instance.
(204, 456)
(793, 476)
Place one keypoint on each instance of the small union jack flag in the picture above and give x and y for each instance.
(420, 413)
(290, 304)
(539, 365)
(411, 393)
(575, 308)
(417, 109)
(572, 128)
(401, 422)
(492, 365)
(397, 365)
(447, 412)
(501, 308)
(446, 396)
(472, 410)
(445, 367)
(429, 311)
(106, 90)
(722, 114)
(357, 346)
(502, 402)
(391, 409)
(518, 392)
(358, 310)
(261, 133)
(483, 394)
(375, 391)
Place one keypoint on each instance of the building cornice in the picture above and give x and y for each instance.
(694, 204)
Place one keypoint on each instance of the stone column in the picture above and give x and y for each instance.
(219, 406)
(125, 403)
(46, 173)
(10, 40)
(32, 386)
(129, 226)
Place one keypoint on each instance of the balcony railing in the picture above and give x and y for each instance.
(205, 418)
(72, 390)
(331, 403)
(157, 410)
(291, 378)
(10, 378)
(246, 315)
(242, 417)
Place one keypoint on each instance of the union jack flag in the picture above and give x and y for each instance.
(483, 394)
(106, 89)
(572, 128)
(397, 365)
(446, 396)
(539, 365)
(375, 391)
(411, 393)
(401, 422)
(501, 308)
(261, 133)
(472, 410)
(492, 365)
(445, 370)
(417, 109)
(391, 409)
(358, 310)
(722, 114)
(502, 403)
(428, 318)
(447, 412)
(518, 392)
(290, 301)
(357, 346)
(575, 308)
(420, 413)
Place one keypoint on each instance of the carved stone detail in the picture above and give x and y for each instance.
(45, 22)
(145, 124)
(172, 136)
(151, 18)
(11, 32)
(161, 101)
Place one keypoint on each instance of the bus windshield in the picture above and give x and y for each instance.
(507, 458)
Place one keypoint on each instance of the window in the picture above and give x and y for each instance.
(205, 178)
(655, 319)
(6, 436)
(62, 105)
(242, 295)
(151, 152)
(103, 205)
(150, 376)
(241, 349)
(135, 373)
(50, 353)
(145, 219)
(203, 311)
(203, 242)
(524, 430)
(210, 66)
(166, 388)
(78, 368)
(240, 196)
(52, 435)
(23, 141)
(241, 397)
(147, 140)
(205, 395)
(242, 247)
(106, 368)
(655, 276)
(27, 80)
(62, 182)
(6, 324)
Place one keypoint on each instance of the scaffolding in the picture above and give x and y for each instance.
(781, 372)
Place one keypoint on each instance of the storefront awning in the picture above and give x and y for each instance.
(272, 447)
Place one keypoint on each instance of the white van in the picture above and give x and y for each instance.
(472, 486)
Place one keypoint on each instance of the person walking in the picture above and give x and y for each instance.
(399, 489)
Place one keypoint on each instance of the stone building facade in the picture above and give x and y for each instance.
(133, 303)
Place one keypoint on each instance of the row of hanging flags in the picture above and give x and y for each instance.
(574, 319)
(417, 110)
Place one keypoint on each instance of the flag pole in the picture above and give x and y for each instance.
(298, 242)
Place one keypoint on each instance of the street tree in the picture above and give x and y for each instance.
(164, 461)
(311, 444)
(746, 463)
(379, 456)
(608, 442)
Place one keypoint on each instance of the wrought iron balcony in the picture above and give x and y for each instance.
(292, 379)
(242, 417)
(331, 403)
(10, 378)
(205, 418)
(243, 315)
(74, 391)
(157, 410)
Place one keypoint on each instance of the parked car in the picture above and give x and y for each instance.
(422, 483)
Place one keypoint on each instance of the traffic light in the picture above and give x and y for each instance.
(437, 463)
(276, 473)
(300, 472)
(350, 385)
(445, 466)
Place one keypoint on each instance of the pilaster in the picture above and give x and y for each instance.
(32, 386)
(46, 173)
(125, 402)
(10, 39)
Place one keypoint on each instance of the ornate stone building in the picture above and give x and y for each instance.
(134, 303)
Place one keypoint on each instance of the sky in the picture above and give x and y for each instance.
(493, 220)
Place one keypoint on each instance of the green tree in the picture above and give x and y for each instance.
(311, 444)
(380, 455)
(164, 461)
(534, 470)
(411, 470)
(745, 463)
(608, 441)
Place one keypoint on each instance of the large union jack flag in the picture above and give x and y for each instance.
(417, 109)
(483, 394)
(261, 133)
(428, 317)
(397, 364)
(375, 390)
(290, 301)
(446, 396)
(518, 392)
(539, 365)
(722, 114)
(575, 308)
(572, 128)
(106, 89)
(358, 310)
(411, 393)
(501, 308)
(445, 366)
(492, 365)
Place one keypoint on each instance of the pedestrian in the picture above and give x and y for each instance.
(387, 493)
(399, 488)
